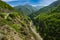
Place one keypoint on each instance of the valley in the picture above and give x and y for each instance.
(25, 22)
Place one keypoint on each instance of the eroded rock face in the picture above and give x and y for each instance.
(7, 33)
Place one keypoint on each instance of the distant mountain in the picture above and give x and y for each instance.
(46, 9)
(26, 9)
(39, 7)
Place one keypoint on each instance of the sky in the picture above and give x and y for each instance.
(30, 2)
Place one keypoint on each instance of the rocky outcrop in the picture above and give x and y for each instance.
(8, 33)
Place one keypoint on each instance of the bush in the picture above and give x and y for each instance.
(15, 26)
(13, 15)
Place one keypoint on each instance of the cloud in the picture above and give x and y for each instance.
(31, 2)
(14, 0)
(9, 0)
(43, 2)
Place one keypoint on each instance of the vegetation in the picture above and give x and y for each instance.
(26, 9)
(15, 25)
(48, 24)
(4, 6)
(46, 9)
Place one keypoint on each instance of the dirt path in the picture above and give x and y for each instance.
(35, 34)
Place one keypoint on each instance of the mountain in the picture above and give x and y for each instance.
(48, 21)
(16, 26)
(46, 9)
(26, 9)
(39, 7)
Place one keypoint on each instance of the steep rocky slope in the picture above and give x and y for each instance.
(14, 25)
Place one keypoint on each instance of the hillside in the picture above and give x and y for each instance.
(26, 9)
(48, 23)
(16, 26)
(46, 9)
(4, 7)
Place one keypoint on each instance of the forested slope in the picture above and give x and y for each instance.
(48, 24)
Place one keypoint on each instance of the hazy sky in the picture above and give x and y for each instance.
(31, 2)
